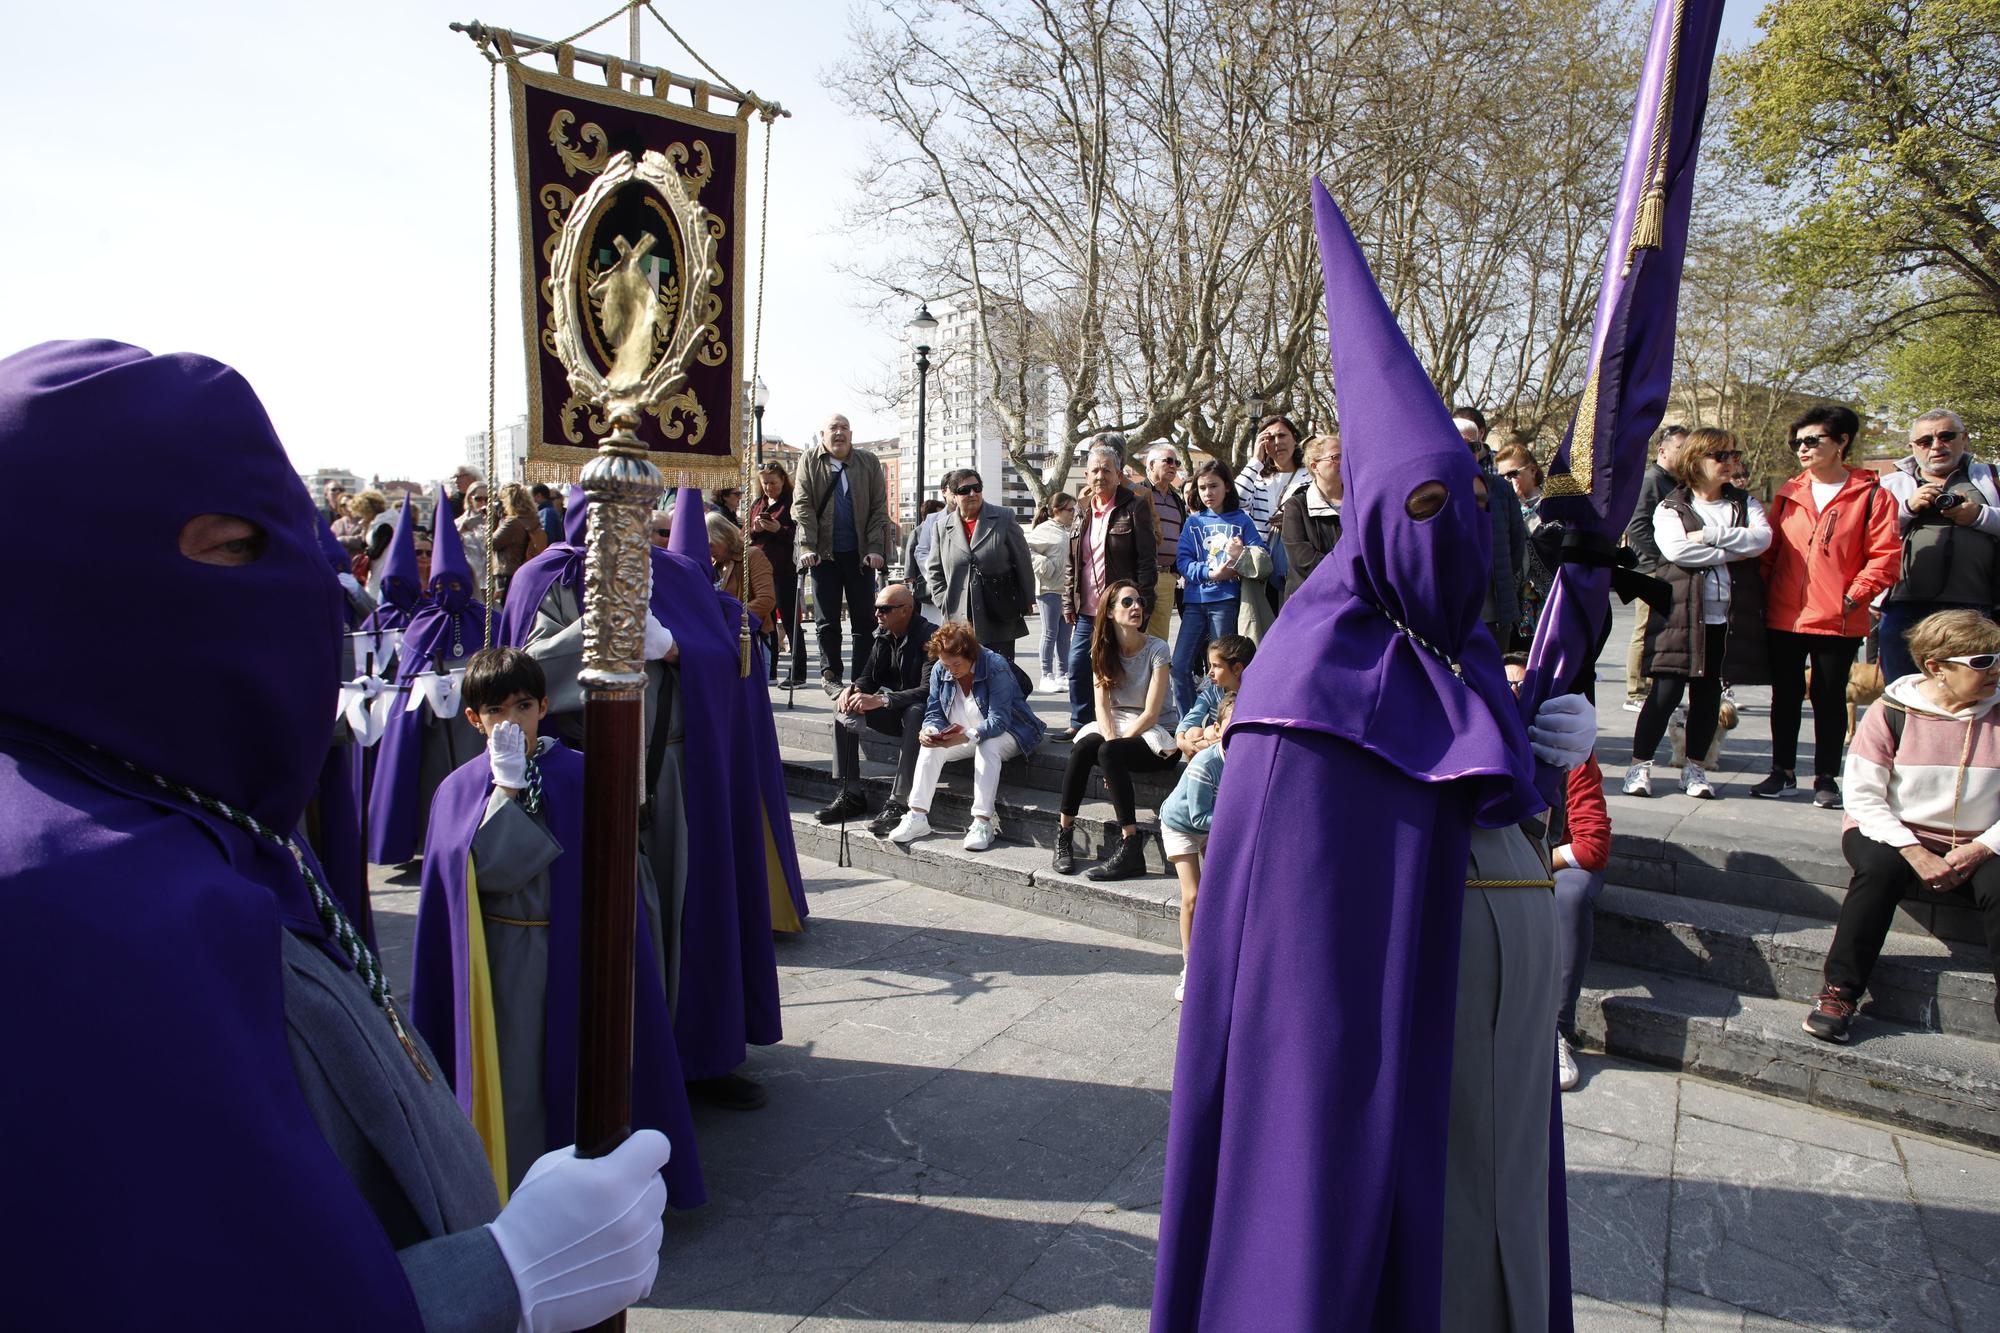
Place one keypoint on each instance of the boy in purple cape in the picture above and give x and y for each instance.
(720, 970)
(1330, 1137)
(232, 1125)
(496, 988)
(424, 744)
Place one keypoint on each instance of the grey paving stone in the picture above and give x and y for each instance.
(1689, 1312)
(1748, 1206)
(1099, 1271)
(1620, 1194)
(1956, 1198)
(1621, 1098)
(1595, 1316)
(1786, 1120)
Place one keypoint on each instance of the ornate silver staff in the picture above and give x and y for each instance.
(608, 308)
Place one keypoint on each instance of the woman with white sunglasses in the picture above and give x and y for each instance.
(1923, 803)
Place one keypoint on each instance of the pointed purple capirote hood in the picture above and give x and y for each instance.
(399, 566)
(690, 536)
(576, 516)
(452, 583)
(1382, 646)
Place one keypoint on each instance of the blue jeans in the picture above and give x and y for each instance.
(1202, 623)
(1082, 689)
(1576, 894)
(1055, 635)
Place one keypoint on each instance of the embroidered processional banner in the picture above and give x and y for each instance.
(565, 133)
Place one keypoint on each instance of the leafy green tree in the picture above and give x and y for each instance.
(1951, 362)
(1878, 124)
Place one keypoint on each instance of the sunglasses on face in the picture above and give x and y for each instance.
(1727, 455)
(1126, 601)
(663, 532)
(1509, 476)
(1810, 441)
(1977, 661)
(890, 608)
(1942, 437)
(970, 488)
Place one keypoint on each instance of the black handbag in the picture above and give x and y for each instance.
(999, 603)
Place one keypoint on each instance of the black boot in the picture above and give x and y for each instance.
(848, 805)
(1064, 861)
(1128, 861)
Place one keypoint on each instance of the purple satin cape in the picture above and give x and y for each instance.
(766, 763)
(729, 967)
(439, 995)
(1307, 1142)
(396, 809)
(149, 1075)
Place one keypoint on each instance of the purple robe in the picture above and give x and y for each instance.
(450, 627)
(333, 819)
(149, 1078)
(440, 998)
(1306, 1153)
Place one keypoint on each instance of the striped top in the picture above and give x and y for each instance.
(1938, 786)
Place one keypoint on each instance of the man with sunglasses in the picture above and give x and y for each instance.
(1949, 514)
(887, 695)
(1163, 476)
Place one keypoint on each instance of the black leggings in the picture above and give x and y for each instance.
(1704, 704)
(1830, 656)
(1120, 759)
(1881, 878)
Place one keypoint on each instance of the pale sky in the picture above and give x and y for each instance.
(300, 190)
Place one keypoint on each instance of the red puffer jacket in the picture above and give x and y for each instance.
(1824, 566)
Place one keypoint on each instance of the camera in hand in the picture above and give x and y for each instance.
(1947, 502)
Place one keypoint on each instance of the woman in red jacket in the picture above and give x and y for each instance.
(1834, 549)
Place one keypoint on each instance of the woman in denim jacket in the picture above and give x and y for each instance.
(976, 711)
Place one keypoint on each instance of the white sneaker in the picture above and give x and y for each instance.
(1695, 782)
(1635, 706)
(1180, 987)
(980, 836)
(1052, 685)
(916, 824)
(1567, 1074)
(1639, 780)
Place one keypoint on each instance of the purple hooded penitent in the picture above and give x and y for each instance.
(149, 1082)
(440, 994)
(1305, 1161)
(1595, 474)
(559, 562)
(448, 628)
(402, 592)
(333, 817)
(690, 534)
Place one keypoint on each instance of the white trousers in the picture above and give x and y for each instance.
(986, 757)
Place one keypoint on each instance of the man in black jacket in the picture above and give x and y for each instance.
(1658, 484)
(888, 695)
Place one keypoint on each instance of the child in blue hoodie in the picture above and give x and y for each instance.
(1184, 821)
(1219, 549)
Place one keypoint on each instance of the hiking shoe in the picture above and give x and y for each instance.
(1695, 782)
(1064, 860)
(1639, 780)
(980, 836)
(832, 685)
(1826, 793)
(1831, 1016)
(1567, 1074)
(1775, 785)
(892, 814)
(915, 824)
(843, 807)
(1180, 987)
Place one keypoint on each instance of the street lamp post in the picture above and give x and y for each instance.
(921, 327)
(758, 394)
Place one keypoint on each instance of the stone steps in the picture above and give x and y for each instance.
(1652, 991)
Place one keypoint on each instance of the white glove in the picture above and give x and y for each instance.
(1563, 732)
(807, 559)
(349, 582)
(582, 1237)
(507, 751)
(659, 639)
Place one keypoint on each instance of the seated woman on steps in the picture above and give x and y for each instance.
(1133, 733)
(975, 711)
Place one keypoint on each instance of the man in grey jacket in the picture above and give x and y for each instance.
(1948, 508)
(842, 508)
